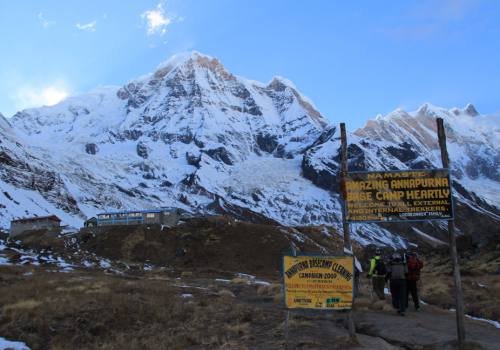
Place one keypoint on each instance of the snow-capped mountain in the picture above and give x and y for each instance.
(193, 135)
(402, 140)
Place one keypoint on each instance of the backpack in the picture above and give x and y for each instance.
(380, 268)
(413, 265)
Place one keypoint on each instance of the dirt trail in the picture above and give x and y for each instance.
(430, 327)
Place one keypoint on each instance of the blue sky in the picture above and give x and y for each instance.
(354, 59)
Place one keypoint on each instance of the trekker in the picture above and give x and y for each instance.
(414, 267)
(377, 274)
(396, 273)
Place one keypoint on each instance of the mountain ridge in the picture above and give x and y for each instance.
(193, 135)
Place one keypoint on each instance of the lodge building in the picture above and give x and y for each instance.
(19, 226)
(164, 216)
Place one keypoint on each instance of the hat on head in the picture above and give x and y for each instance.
(396, 256)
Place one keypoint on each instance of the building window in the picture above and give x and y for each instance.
(150, 215)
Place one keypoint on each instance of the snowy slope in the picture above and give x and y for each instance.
(473, 143)
(195, 136)
(171, 138)
(28, 186)
(408, 140)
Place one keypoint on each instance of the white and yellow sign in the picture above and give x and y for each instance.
(318, 282)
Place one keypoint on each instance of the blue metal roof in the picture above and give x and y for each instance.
(137, 211)
(130, 212)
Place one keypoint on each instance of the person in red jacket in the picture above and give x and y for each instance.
(414, 266)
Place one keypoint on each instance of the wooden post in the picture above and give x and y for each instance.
(345, 225)
(453, 245)
(287, 330)
(287, 316)
(343, 173)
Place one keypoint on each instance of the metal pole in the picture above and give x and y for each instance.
(453, 245)
(345, 225)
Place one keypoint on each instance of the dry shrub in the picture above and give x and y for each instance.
(362, 303)
(270, 290)
(239, 280)
(279, 298)
(381, 305)
(238, 329)
(437, 291)
(225, 293)
(98, 287)
(23, 305)
(299, 322)
(79, 288)
(14, 270)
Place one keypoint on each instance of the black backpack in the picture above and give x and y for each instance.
(380, 268)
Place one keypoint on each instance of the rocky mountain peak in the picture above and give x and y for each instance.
(471, 110)
(190, 61)
(428, 109)
(280, 84)
(3, 121)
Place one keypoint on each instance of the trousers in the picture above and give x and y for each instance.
(378, 283)
(411, 288)
(398, 293)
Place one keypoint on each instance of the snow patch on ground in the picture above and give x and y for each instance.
(12, 345)
(492, 322)
(4, 261)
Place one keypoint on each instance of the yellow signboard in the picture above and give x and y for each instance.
(408, 195)
(318, 282)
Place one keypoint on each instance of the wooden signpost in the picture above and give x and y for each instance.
(397, 196)
(347, 232)
(322, 282)
(380, 196)
(453, 246)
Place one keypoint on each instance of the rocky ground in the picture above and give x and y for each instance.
(222, 290)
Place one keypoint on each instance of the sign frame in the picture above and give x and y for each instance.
(452, 204)
(318, 255)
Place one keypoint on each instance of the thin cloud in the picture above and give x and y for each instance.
(45, 22)
(429, 18)
(415, 32)
(157, 20)
(450, 10)
(89, 27)
(29, 96)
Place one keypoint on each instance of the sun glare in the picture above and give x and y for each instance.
(29, 97)
(52, 96)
